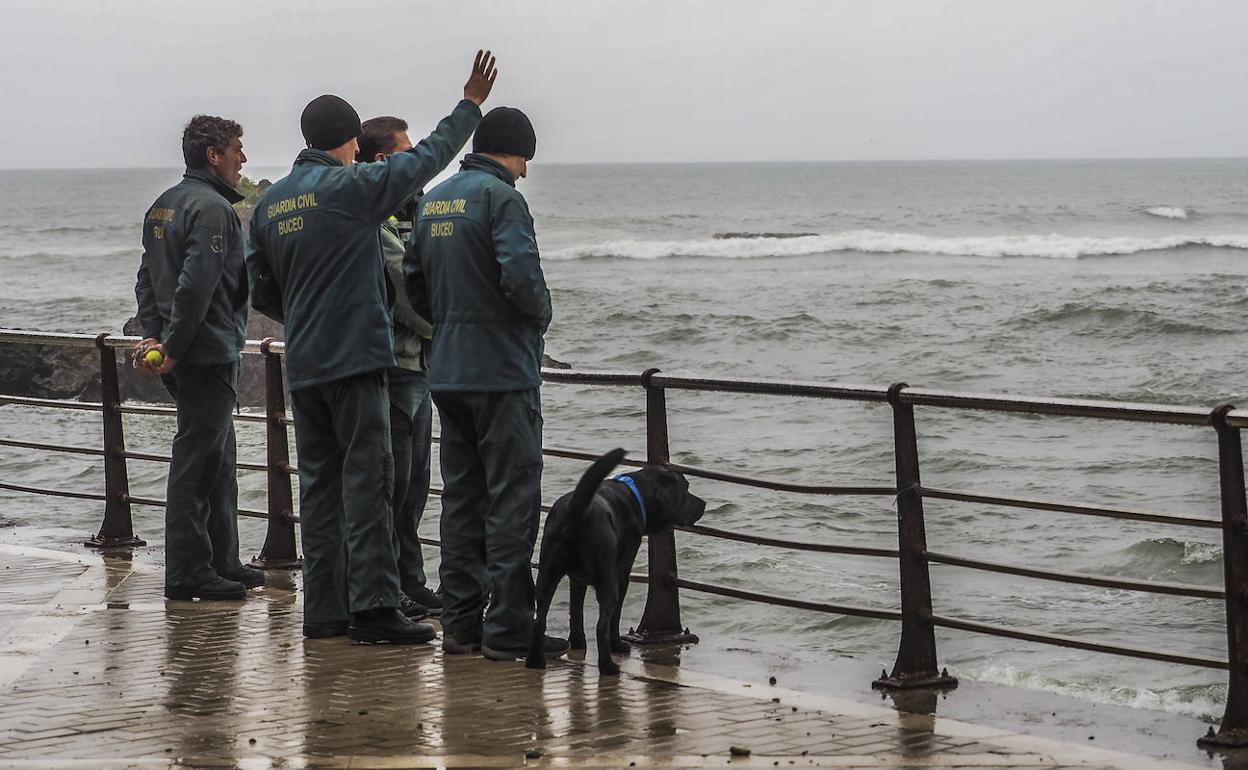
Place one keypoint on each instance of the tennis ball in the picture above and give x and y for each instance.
(154, 357)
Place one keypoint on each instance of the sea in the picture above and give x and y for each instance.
(1124, 279)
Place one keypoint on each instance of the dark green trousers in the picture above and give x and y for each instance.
(491, 455)
(201, 512)
(411, 430)
(342, 432)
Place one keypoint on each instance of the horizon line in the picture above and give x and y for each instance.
(715, 162)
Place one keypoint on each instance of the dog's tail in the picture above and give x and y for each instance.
(595, 475)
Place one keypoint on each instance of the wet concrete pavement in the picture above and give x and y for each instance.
(98, 671)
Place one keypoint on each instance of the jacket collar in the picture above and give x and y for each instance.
(211, 179)
(316, 158)
(475, 162)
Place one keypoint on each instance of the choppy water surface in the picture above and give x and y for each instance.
(1122, 280)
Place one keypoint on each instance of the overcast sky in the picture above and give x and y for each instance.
(91, 83)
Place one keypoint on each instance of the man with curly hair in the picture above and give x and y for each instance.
(192, 295)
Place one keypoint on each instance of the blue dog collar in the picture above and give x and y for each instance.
(627, 481)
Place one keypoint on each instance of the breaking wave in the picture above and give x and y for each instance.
(1202, 701)
(1168, 212)
(876, 242)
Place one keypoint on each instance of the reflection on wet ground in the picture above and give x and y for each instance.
(99, 671)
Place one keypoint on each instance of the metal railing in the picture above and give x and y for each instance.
(916, 660)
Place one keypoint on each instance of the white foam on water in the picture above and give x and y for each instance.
(1201, 553)
(875, 242)
(1168, 212)
(1199, 702)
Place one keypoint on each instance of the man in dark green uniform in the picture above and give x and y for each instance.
(411, 413)
(192, 296)
(472, 268)
(314, 258)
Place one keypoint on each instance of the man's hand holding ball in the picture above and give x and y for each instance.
(149, 356)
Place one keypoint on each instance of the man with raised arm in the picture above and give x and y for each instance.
(314, 259)
(192, 296)
(472, 268)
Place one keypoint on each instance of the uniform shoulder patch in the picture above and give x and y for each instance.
(217, 244)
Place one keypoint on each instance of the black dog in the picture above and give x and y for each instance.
(592, 536)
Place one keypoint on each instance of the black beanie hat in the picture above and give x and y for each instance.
(507, 131)
(328, 122)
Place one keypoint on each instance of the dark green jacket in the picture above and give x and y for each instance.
(314, 253)
(192, 286)
(472, 268)
(411, 332)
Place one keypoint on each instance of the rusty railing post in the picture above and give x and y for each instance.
(916, 654)
(279, 551)
(660, 620)
(1233, 732)
(117, 529)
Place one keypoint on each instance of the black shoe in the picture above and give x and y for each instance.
(387, 624)
(325, 630)
(454, 646)
(250, 577)
(431, 601)
(412, 609)
(217, 589)
(553, 648)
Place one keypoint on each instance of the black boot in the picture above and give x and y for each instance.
(250, 577)
(429, 599)
(412, 608)
(216, 589)
(388, 625)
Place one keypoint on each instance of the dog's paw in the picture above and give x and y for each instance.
(608, 668)
(576, 640)
(620, 647)
(535, 661)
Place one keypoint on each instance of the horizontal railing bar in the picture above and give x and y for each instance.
(1149, 586)
(707, 473)
(1139, 412)
(849, 392)
(1059, 640)
(156, 502)
(779, 601)
(52, 403)
(1065, 407)
(170, 411)
(577, 454)
(52, 492)
(25, 336)
(159, 458)
(1086, 510)
(591, 377)
(77, 450)
(849, 550)
(781, 486)
(437, 492)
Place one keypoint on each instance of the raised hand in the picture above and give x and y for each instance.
(482, 78)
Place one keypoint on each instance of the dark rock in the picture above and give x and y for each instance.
(733, 236)
(138, 386)
(47, 371)
(550, 363)
(54, 371)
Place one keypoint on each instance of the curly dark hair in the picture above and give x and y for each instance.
(378, 136)
(206, 131)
